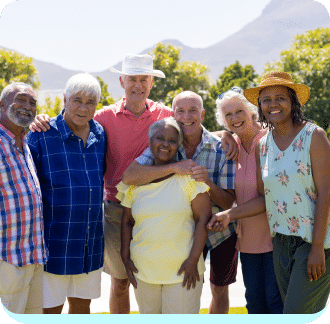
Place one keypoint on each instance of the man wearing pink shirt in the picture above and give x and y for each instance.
(126, 124)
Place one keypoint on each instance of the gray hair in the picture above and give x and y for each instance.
(11, 88)
(189, 94)
(85, 83)
(233, 95)
(169, 121)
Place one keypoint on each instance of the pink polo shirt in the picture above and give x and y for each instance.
(253, 233)
(127, 138)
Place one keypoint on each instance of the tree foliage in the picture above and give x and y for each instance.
(181, 76)
(106, 99)
(234, 75)
(15, 67)
(308, 62)
(51, 108)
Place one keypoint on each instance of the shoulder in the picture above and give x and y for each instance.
(159, 107)
(107, 110)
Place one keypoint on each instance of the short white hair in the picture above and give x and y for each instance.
(159, 124)
(85, 83)
(187, 94)
(11, 88)
(229, 96)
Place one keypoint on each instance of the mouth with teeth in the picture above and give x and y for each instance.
(274, 112)
(238, 124)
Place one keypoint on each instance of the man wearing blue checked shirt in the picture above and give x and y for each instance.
(201, 156)
(69, 158)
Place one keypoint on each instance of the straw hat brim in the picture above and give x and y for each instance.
(301, 90)
(156, 73)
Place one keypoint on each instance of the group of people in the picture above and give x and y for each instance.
(130, 190)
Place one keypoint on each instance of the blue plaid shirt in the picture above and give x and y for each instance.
(221, 171)
(71, 180)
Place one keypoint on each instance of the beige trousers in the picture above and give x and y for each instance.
(168, 298)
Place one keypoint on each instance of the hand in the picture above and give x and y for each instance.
(190, 273)
(316, 263)
(40, 123)
(228, 140)
(130, 268)
(200, 173)
(184, 167)
(219, 222)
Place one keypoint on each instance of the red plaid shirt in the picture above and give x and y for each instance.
(21, 223)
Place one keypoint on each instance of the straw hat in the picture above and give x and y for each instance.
(277, 78)
(138, 65)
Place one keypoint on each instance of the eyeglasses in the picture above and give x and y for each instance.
(235, 89)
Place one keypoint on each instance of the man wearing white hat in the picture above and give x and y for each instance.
(126, 124)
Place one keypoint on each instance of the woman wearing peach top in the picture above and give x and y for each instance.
(253, 235)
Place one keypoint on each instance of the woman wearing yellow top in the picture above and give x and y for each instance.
(164, 232)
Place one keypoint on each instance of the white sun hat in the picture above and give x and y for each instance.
(138, 65)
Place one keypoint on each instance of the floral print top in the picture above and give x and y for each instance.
(289, 186)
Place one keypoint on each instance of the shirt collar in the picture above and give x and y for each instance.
(8, 134)
(120, 107)
(64, 129)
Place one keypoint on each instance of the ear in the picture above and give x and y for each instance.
(64, 99)
(121, 82)
(203, 114)
(152, 82)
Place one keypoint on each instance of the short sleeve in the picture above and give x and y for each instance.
(146, 158)
(193, 188)
(125, 194)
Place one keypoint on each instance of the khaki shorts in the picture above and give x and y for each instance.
(21, 288)
(113, 265)
(57, 288)
(168, 299)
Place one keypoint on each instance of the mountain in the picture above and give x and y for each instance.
(257, 43)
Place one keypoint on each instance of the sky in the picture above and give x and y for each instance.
(91, 36)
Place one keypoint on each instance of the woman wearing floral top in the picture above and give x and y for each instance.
(293, 174)
(164, 232)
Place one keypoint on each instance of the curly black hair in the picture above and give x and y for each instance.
(296, 111)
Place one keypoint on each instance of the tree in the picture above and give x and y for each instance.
(308, 62)
(15, 67)
(106, 99)
(52, 109)
(234, 75)
(181, 76)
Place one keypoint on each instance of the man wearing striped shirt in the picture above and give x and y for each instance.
(69, 158)
(22, 246)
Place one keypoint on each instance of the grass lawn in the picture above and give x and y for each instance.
(232, 310)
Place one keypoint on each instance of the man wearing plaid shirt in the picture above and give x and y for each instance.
(22, 246)
(201, 156)
(69, 158)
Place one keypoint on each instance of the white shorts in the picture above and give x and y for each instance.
(56, 288)
(21, 288)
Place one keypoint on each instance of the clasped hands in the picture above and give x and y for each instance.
(219, 222)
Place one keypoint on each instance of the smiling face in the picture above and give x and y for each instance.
(137, 87)
(22, 106)
(79, 109)
(237, 116)
(164, 144)
(189, 113)
(275, 104)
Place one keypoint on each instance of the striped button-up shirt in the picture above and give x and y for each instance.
(221, 171)
(21, 223)
(71, 180)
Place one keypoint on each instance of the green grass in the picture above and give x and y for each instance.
(232, 310)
